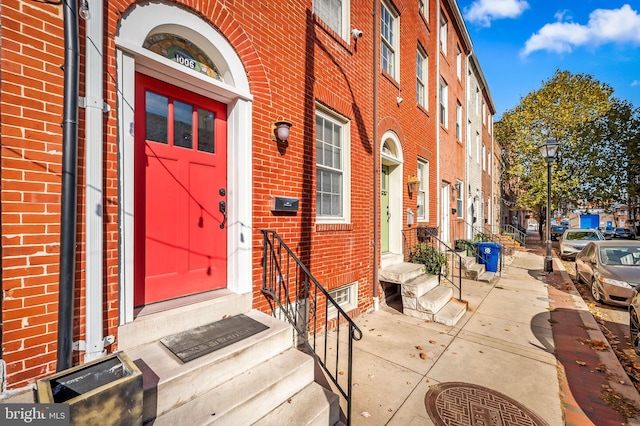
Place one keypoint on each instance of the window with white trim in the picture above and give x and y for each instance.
(444, 100)
(423, 191)
(484, 114)
(423, 6)
(335, 13)
(484, 157)
(332, 168)
(346, 297)
(459, 191)
(443, 34)
(468, 138)
(389, 35)
(477, 147)
(458, 121)
(458, 63)
(421, 77)
(477, 100)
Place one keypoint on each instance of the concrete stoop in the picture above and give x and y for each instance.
(476, 271)
(249, 381)
(422, 295)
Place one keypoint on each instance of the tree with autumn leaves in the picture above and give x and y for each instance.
(598, 160)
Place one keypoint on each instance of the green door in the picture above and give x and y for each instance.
(385, 214)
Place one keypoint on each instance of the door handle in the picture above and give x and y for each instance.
(388, 214)
(222, 206)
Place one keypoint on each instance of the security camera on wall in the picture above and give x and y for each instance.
(356, 33)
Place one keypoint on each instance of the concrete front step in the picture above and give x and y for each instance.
(169, 319)
(419, 286)
(435, 299)
(168, 382)
(247, 397)
(487, 277)
(451, 313)
(312, 406)
(474, 270)
(400, 272)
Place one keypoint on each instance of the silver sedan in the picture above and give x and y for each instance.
(611, 269)
(573, 240)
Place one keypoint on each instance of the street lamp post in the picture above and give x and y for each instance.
(548, 151)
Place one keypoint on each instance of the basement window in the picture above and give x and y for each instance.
(346, 297)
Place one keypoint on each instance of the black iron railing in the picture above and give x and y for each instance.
(420, 240)
(514, 232)
(295, 296)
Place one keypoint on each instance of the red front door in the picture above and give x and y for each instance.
(180, 192)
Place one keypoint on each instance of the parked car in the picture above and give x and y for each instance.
(607, 233)
(557, 231)
(611, 269)
(574, 239)
(624, 233)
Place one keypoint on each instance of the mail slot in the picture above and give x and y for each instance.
(284, 204)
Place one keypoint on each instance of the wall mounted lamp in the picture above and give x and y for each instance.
(413, 184)
(280, 130)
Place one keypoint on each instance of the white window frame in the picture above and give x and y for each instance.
(392, 46)
(443, 33)
(458, 121)
(344, 125)
(478, 144)
(422, 66)
(484, 114)
(325, 15)
(477, 100)
(484, 157)
(468, 138)
(444, 101)
(459, 197)
(351, 303)
(423, 190)
(458, 63)
(423, 6)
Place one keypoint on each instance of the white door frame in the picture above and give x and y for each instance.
(136, 25)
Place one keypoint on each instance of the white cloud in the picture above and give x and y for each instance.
(482, 12)
(604, 26)
(635, 83)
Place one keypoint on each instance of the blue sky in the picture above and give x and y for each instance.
(521, 43)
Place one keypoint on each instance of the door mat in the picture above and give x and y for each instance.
(191, 344)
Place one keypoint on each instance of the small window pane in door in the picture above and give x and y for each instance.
(182, 124)
(157, 111)
(206, 138)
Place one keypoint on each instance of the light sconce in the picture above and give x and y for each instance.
(413, 183)
(280, 130)
(84, 10)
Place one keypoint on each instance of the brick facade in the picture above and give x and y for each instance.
(295, 63)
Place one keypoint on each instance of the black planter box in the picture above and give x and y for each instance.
(106, 391)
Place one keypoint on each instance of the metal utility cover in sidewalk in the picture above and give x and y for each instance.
(456, 403)
(191, 344)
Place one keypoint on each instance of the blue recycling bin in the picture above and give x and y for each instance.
(489, 255)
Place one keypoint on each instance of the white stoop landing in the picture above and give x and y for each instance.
(400, 273)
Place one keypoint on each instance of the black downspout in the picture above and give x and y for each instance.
(69, 187)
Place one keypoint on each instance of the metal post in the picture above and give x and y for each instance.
(548, 261)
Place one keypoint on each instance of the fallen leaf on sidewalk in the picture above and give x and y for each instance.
(423, 355)
(365, 414)
(433, 342)
(581, 363)
(419, 348)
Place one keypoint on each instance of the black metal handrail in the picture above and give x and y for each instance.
(297, 297)
(421, 238)
(517, 234)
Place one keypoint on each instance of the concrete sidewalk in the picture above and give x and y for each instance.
(504, 345)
